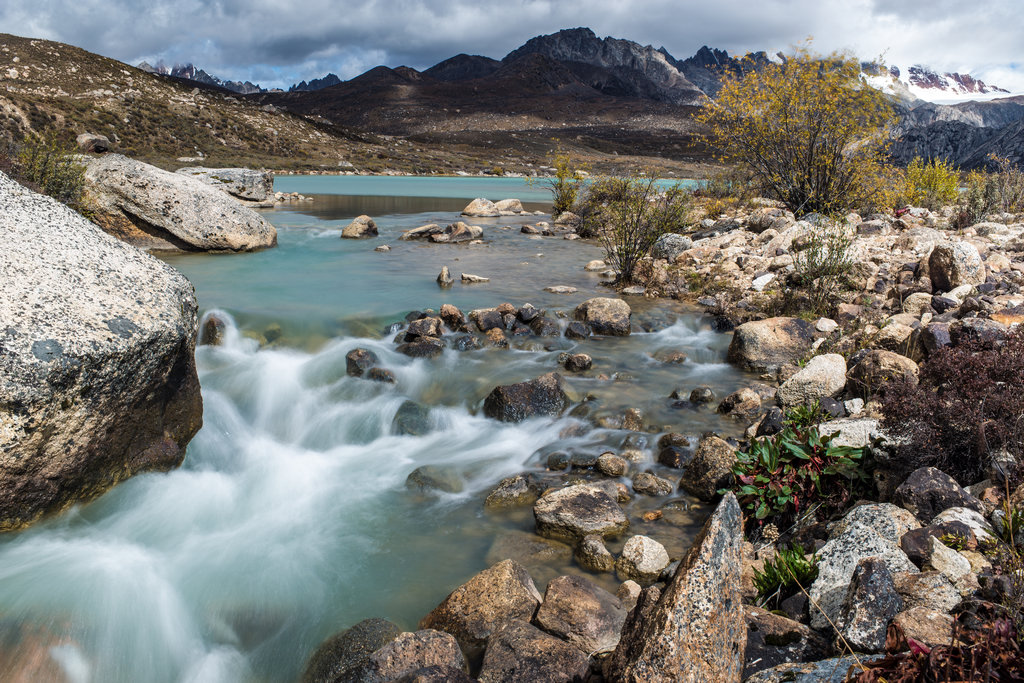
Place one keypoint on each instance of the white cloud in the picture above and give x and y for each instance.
(280, 43)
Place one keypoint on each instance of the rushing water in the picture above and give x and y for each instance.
(291, 518)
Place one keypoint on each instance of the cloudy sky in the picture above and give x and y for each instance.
(276, 43)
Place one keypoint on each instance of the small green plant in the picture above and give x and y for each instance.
(954, 541)
(931, 184)
(1011, 527)
(784, 576)
(797, 471)
(565, 186)
(824, 266)
(47, 164)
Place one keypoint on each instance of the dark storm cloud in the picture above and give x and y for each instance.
(279, 43)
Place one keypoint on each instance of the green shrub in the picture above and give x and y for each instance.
(931, 184)
(629, 214)
(797, 472)
(784, 575)
(824, 266)
(47, 164)
(565, 186)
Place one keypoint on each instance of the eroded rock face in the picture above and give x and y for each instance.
(696, 630)
(155, 209)
(765, 345)
(605, 315)
(476, 608)
(517, 402)
(243, 183)
(97, 372)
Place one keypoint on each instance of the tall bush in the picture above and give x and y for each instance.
(931, 184)
(47, 164)
(810, 130)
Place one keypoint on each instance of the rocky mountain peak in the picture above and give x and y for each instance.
(955, 83)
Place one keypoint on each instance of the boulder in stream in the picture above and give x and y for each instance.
(97, 359)
(517, 402)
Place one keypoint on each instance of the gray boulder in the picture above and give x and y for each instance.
(578, 511)
(928, 491)
(242, 183)
(407, 653)
(605, 315)
(871, 603)
(766, 345)
(93, 143)
(952, 264)
(518, 652)
(696, 630)
(823, 377)
(710, 468)
(155, 209)
(670, 245)
(97, 372)
(642, 560)
(341, 654)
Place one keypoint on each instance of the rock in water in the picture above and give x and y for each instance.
(407, 653)
(517, 402)
(578, 511)
(480, 207)
(444, 278)
(243, 183)
(156, 209)
(361, 226)
(696, 631)
(97, 372)
(341, 654)
(582, 613)
(605, 316)
(476, 608)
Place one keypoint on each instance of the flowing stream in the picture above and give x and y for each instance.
(291, 518)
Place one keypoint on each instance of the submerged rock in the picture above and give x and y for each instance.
(411, 418)
(97, 370)
(155, 209)
(358, 361)
(337, 658)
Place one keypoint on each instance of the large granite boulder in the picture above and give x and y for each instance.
(242, 183)
(407, 653)
(97, 372)
(481, 208)
(476, 608)
(823, 377)
(156, 209)
(670, 245)
(605, 315)
(517, 402)
(952, 264)
(696, 630)
(766, 345)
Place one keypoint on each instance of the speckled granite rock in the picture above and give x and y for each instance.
(97, 371)
(696, 630)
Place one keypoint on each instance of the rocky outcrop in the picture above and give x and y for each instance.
(97, 374)
(155, 209)
(242, 183)
(696, 631)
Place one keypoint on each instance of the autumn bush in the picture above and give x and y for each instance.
(565, 185)
(998, 190)
(810, 131)
(931, 184)
(628, 215)
(47, 165)
(966, 406)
